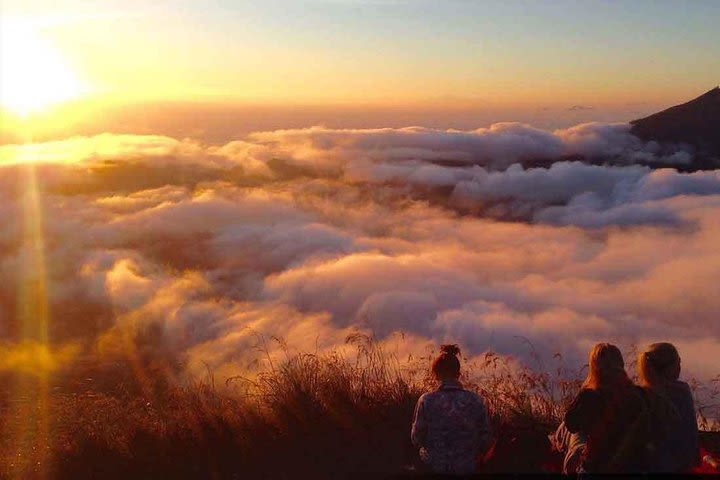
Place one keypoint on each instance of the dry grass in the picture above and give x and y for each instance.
(309, 416)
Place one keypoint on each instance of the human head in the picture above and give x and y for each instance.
(606, 367)
(447, 366)
(658, 364)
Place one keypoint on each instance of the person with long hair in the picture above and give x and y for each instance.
(659, 371)
(451, 425)
(610, 412)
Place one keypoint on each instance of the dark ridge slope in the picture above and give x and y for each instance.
(696, 122)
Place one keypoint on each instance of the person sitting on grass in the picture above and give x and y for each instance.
(451, 425)
(611, 414)
(659, 370)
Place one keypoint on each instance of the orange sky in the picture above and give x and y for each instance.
(488, 59)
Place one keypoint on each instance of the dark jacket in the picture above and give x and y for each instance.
(451, 427)
(605, 416)
(678, 452)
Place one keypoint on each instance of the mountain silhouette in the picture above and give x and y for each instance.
(696, 123)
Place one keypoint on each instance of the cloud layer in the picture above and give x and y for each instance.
(311, 234)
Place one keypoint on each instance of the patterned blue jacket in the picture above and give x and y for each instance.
(451, 428)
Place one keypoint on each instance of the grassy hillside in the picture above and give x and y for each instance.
(311, 415)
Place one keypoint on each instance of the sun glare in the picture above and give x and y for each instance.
(33, 73)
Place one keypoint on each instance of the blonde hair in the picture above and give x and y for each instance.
(654, 364)
(606, 367)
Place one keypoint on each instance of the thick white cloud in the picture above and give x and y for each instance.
(306, 235)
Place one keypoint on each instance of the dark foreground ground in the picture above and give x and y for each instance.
(312, 417)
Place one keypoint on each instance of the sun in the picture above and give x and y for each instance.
(33, 73)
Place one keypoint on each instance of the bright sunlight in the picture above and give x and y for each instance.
(33, 73)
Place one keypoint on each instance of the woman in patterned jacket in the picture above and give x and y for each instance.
(451, 426)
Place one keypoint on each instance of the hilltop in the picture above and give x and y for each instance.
(312, 416)
(696, 123)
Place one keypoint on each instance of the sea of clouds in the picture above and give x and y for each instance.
(312, 234)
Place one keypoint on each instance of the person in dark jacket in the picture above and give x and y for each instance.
(609, 411)
(659, 371)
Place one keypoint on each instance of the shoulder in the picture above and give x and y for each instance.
(680, 392)
(588, 395)
(586, 399)
(476, 397)
(682, 386)
(480, 404)
(659, 405)
(429, 397)
(425, 397)
(582, 410)
(470, 402)
(468, 396)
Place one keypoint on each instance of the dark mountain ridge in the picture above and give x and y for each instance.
(687, 137)
(696, 123)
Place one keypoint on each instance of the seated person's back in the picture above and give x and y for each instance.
(604, 416)
(659, 370)
(607, 411)
(451, 426)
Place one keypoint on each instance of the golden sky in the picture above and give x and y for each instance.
(512, 55)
